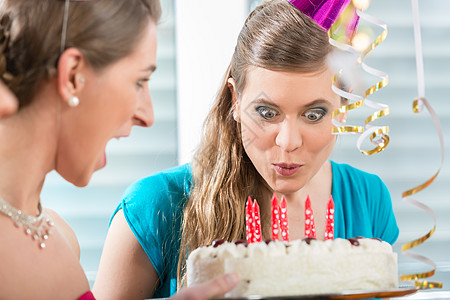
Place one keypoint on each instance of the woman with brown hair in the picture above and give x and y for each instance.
(269, 131)
(79, 70)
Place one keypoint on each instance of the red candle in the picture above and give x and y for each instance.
(284, 220)
(256, 223)
(249, 219)
(275, 217)
(310, 228)
(329, 229)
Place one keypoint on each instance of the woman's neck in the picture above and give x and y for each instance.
(27, 152)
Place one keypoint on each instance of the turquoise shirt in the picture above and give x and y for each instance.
(153, 208)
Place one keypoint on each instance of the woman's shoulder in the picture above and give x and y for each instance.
(176, 179)
(352, 184)
(161, 194)
(349, 174)
(65, 230)
(153, 208)
(364, 204)
(24, 263)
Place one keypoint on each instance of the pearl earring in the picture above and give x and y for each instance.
(73, 101)
(235, 116)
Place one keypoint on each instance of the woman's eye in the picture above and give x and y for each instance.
(141, 82)
(315, 115)
(266, 112)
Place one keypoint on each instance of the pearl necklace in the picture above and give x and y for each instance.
(37, 227)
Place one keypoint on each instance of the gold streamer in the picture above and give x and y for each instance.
(382, 132)
(417, 108)
(428, 285)
(344, 109)
(378, 134)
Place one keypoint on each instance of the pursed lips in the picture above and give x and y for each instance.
(287, 165)
(287, 169)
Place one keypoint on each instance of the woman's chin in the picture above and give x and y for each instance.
(286, 187)
(81, 183)
(79, 178)
(78, 181)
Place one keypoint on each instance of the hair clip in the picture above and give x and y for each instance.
(65, 19)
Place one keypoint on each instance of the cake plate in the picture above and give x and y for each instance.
(356, 294)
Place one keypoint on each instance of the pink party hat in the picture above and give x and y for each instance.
(323, 12)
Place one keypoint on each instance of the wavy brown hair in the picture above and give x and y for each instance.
(30, 36)
(278, 37)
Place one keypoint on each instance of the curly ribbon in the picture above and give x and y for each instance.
(418, 105)
(378, 135)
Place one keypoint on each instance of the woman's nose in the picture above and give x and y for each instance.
(144, 115)
(289, 136)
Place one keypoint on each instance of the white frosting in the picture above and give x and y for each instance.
(298, 267)
(277, 248)
(257, 250)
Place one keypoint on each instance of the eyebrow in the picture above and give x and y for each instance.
(311, 104)
(151, 68)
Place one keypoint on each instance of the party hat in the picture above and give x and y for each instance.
(323, 12)
(346, 26)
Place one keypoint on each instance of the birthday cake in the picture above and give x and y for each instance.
(301, 267)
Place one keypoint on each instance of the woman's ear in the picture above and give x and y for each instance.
(232, 87)
(70, 80)
(342, 117)
(8, 101)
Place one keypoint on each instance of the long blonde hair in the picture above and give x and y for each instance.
(278, 37)
(30, 36)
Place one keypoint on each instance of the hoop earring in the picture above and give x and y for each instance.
(73, 101)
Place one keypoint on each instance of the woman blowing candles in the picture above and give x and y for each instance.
(269, 131)
(79, 71)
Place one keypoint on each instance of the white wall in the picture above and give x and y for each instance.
(206, 36)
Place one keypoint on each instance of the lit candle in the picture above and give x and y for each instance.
(249, 220)
(275, 217)
(284, 220)
(310, 228)
(329, 229)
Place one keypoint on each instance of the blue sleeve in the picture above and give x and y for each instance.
(142, 211)
(363, 205)
(153, 208)
(384, 223)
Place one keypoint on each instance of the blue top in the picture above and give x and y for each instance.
(153, 208)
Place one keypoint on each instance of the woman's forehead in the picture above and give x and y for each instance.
(285, 84)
